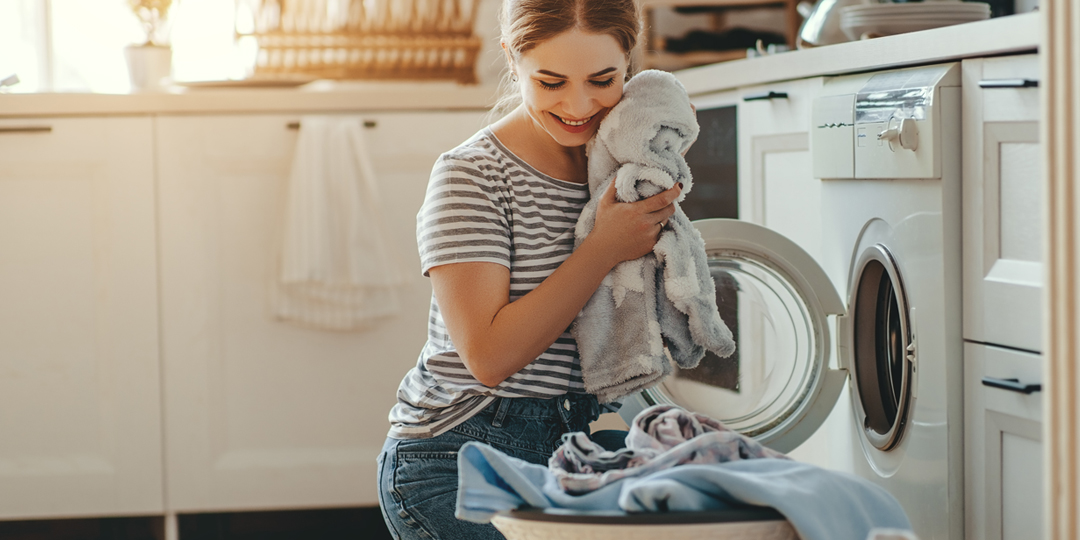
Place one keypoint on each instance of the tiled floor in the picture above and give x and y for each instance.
(332, 524)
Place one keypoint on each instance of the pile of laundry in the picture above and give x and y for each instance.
(676, 461)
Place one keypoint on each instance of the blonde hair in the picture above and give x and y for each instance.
(528, 23)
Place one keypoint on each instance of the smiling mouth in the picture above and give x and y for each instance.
(573, 123)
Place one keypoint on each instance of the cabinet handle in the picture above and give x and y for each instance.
(296, 125)
(765, 96)
(1009, 83)
(1012, 385)
(26, 129)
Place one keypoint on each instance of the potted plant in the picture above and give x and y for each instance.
(150, 63)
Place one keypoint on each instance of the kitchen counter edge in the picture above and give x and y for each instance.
(359, 97)
(1003, 35)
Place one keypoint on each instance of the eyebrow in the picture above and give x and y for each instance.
(558, 76)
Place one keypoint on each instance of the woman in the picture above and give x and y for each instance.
(496, 237)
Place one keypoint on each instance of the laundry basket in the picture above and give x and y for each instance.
(732, 524)
(364, 39)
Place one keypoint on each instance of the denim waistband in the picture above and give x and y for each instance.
(572, 411)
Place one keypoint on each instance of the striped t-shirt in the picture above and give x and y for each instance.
(485, 204)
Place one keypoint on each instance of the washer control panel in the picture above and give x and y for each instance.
(881, 125)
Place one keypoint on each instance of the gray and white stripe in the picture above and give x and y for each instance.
(485, 204)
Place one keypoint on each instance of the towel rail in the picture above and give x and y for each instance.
(296, 125)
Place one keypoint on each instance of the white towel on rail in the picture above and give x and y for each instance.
(336, 271)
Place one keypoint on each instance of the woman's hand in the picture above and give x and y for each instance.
(627, 231)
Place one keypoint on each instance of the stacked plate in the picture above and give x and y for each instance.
(873, 20)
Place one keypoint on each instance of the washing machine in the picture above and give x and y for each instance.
(886, 294)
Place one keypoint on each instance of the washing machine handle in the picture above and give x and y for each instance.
(912, 352)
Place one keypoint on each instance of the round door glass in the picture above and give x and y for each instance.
(881, 361)
(777, 354)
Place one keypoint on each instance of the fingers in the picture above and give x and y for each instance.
(610, 193)
(661, 200)
(662, 215)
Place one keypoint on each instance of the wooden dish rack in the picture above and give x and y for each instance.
(367, 39)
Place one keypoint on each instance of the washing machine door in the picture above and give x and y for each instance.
(777, 387)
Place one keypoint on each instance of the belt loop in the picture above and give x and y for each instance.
(500, 413)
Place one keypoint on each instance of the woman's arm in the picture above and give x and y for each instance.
(496, 337)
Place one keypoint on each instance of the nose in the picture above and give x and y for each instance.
(578, 103)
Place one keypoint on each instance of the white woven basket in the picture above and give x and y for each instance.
(529, 529)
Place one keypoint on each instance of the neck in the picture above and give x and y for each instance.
(526, 139)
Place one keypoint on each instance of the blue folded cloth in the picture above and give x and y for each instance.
(820, 504)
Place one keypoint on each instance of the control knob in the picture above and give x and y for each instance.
(901, 133)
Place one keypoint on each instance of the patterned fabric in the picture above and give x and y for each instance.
(661, 437)
(484, 204)
(820, 504)
(661, 306)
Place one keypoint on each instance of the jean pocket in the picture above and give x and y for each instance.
(427, 484)
(424, 475)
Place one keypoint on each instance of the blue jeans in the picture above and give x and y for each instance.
(418, 478)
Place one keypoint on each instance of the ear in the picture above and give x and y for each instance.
(509, 57)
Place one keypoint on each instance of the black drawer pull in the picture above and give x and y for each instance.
(1009, 83)
(1013, 385)
(26, 129)
(766, 96)
(296, 125)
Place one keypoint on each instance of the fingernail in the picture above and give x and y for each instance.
(680, 185)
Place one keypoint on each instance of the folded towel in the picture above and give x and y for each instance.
(668, 296)
(336, 271)
(820, 504)
(661, 437)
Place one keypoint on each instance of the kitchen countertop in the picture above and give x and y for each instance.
(1017, 33)
(1004, 35)
(316, 97)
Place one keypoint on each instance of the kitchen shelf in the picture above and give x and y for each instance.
(653, 55)
(676, 61)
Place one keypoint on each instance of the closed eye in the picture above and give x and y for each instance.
(551, 86)
(604, 83)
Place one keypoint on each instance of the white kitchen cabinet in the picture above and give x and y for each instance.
(261, 413)
(776, 187)
(80, 409)
(1003, 198)
(1003, 443)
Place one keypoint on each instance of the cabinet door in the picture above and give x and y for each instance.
(1003, 432)
(776, 186)
(1003, 199)
(261, 413)
(80, 424)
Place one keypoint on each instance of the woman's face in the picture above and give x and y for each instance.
(569, 82)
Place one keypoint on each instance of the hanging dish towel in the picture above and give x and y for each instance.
(668, 296)
(336, 271)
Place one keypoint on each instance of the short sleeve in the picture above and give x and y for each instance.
(463, 218)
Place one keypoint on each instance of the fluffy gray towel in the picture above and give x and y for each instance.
(668, 294)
